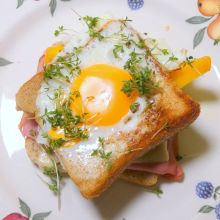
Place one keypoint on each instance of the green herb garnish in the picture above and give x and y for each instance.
(92, 23)
(165, 52)
(128, 87)
(134, 107)
(55, 177)
(54, 144)
(157, 191)
(58, 31)
(118, 49)
(172, 58)
(141, 76)
(69, 63)
(189, 60)
(64, 118)
(163, 127)
(52, 71)
(100, 151)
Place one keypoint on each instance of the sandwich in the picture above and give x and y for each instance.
(101, 107)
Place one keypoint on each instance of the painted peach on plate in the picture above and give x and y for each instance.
(214, 29)
(209, 7)
(211, 10)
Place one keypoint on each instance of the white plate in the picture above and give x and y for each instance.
(25, 33)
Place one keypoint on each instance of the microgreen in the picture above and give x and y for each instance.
(100, 151)
(118, 49)
(52, 71)
(141, 76)
(55, 177)
(189, 60)
(64, 118)
(172, 58)
(69, 63)
(157, 191)
(134, 107)
(92, 23)
(165, 52)
(59, 30)
(128, 87)
(54, 144)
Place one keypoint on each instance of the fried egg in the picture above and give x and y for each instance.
(106, 108)
(100, 82)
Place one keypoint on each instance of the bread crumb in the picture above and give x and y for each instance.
(167, 28)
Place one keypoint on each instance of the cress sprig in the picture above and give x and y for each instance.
(142, 76)
(70, 63)
(100, 151)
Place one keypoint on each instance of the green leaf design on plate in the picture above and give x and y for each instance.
(197, 20)
(206, 209)
(198, 37)
(19, 3)
(217, 189)
(4, 62)
(24, 208)
(41, 216)
(53, 5)
(216, 192)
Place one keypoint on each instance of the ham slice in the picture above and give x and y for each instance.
(28, 126)
(40, 66)
(170, 169)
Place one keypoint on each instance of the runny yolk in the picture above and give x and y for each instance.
(101, 98)
(56, 133)
(51, 52)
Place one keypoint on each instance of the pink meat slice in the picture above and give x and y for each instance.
(170, 167)
(40, 66)
(28, 126)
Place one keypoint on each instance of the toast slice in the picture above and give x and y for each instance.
(171, 111)
(27, 94)
(39, 157)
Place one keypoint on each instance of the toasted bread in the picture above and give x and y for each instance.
(27, 94)
(37, 154)
(39, 157)
(171, 107)
(140, 178)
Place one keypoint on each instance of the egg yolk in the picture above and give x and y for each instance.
(56, 133)
(101, 98)
(51, 52)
